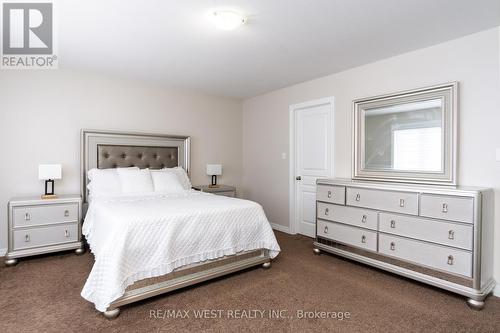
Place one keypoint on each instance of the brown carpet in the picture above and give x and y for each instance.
(43, 294)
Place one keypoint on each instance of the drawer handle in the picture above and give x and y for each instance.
(445, 208)
(329, 194)
(327, 211)
(363, 239)
(364, 218)
(358, 197)
(450, 260)
(27, 238)
(401, 202)
(66, 233)
(66, 213)
(393, 246)
(326, 230)
(27, 216)
(393, 224)
(451, 234)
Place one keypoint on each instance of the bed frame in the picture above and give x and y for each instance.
(112, 149)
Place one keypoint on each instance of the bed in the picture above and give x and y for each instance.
(148, 244)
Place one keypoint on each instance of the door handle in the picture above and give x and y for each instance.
(298, 178)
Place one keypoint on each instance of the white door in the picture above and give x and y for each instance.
(311, 158)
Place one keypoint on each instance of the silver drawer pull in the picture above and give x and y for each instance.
(450, 260)
(451, 234)
(445, 208)
(27, 216)
(393, 224)
(363, 219)
(401, 202)
(363, 239)
(393, 246)
(327, 211)
(329, 194)
(66, 233)
(358, 197)
(27, 238)
(66, 213)
(326, 230)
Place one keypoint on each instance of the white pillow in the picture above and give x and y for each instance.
(166, 181)
(183, 177)
(135, 181)
(105, 181)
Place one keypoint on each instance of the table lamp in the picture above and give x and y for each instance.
(49, 172)
(214, 170)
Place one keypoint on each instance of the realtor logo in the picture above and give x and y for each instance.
(28, 35)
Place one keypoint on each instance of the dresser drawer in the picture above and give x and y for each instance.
(348, 235)
(393, 201)
(434, 256)
(44, 214)
(44, 236)
(331, 193)
(447, 207)
(349, 215)
(442, 232)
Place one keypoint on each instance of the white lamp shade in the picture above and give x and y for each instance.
(214, 169)
(49, 171)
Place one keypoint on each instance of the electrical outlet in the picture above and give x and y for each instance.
(283, 156)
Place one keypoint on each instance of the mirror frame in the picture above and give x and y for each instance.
(449, 94)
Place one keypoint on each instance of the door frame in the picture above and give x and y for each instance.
(292, 114)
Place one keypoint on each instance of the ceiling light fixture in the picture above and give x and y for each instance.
(227, 19)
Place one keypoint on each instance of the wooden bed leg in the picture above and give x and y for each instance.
(111, 314)
(266, 265)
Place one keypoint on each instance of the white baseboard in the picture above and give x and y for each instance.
(281, 228)
(496, 291)
(3, 252)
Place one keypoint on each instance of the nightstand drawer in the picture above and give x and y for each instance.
(45, 214)
(223, 190)
(226, 193)
(44, 236)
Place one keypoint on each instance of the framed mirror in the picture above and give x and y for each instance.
(407, 137)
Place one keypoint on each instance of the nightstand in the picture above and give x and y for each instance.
(225, 190)
(39, 226)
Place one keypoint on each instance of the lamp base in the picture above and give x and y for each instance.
(49, 196)
(213, 186)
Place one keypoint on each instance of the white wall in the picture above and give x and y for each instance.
(472, 60)
(42, 112)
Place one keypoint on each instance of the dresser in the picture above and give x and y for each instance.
(438, 235)
(225, 190)
(39, 226)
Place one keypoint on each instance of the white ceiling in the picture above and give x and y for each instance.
(284, 42)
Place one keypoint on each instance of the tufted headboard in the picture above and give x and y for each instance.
(110, 149)
(116, 156)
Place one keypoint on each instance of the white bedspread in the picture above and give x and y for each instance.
(138, 237)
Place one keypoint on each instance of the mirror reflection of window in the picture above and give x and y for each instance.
(417, 149)
(405, 137)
